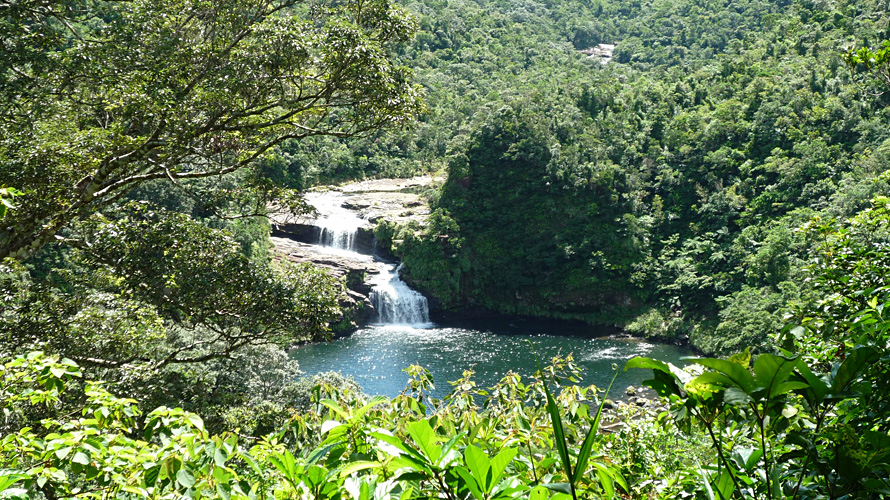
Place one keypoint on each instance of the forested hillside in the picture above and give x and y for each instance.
(665, 190)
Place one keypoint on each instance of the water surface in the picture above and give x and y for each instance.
(376, 355)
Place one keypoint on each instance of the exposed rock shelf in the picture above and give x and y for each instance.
(397, 200)
(356, 303)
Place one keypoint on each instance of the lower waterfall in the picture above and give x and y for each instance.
(395, 302)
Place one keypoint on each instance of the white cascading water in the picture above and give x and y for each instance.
(337, 226)
(395, 302)
(334, 238)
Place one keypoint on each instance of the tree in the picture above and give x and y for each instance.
(148, 266)
(875, 62)
(98, 97)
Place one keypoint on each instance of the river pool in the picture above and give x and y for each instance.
(376, 355)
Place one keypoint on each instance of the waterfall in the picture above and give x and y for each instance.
(340, 238)
(337, 225)
(396, 303)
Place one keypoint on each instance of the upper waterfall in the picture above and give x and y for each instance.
(337, 225)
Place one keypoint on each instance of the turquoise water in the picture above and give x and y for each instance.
(376, 355)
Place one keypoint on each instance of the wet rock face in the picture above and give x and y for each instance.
(310, 234)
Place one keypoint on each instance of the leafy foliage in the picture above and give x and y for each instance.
(343, 448)
(150, 265)
(802, 424)
(673, 178)
(99, 97)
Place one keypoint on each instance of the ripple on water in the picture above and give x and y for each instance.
(376, 355)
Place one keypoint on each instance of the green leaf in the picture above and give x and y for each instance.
(471, 482)
(787, 387)
(328, 425)
(735, 373)
(559, 434)
(8, 480)
(606, 482)
(479, 464)
(860, 358)
(319, 453)
(748, 457)
(499, 464)
(708, 384)
(354, 467)
(315, 475)
(668, 379)
(736, 397)
(665, 385)
(425, 439)
(725, 486)
(656, 365)
(407, 493)
(185, 478)
(285, 463)
(742, 359)
(151, 475)
(818, 388)
(587, 445)
(247, 457)
(219, 458)
(196, 421)
(81, 458)
(171, 466)
(448, 455)
(335, 407)
(399, 445)
(538, 493)
(772, 371)
(376, 400)
(707, 483)
(224, 490)
(647, 363)
(560, 487)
